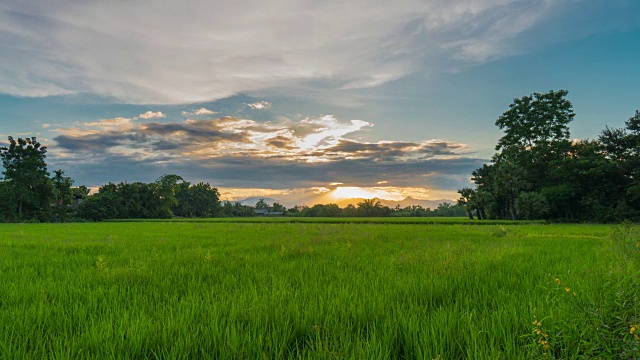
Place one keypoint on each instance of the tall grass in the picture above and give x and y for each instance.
(272, 290)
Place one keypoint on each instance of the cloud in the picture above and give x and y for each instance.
(115, 124)
(200, 111)
(394, 150)
(260, 105)
(186, 53)
(152, 115)
(212, 138)
(314, 152)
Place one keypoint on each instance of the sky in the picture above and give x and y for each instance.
(303, 100)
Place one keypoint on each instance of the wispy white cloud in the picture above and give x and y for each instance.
(152, 115)
(260, 105)
(187, 53)
(200, 111)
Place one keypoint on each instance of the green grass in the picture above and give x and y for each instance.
(270, 290)
(343, 220)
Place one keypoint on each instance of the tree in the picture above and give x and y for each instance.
(445, 209)
(25, 172)
(510, 180)
(200, 200)
(261, 204)
(535, 120)
(277, 207)
(370, 207)
(167, 187)
(536, 133)
(465, 200)
(62, 195)
(532, 205)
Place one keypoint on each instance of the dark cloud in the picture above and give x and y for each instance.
(201, 130)
(97, 142)
(392, 150)
(281, 142)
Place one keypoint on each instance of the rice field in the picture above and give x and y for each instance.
(344, 220)
(273, 289)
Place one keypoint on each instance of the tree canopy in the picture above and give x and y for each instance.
(26, 178)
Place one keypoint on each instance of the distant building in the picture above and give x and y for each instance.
(267, 212)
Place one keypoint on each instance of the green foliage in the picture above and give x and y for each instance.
(26, 177)
(370, 207)
(199, 200)
(596, 315)
(63, 197)
(466, 199)
(448, 210)
(532, 205)
(125, 201)
(167, 187)
(538, 121)
(261, 204)
(236, 209)
(588, 180)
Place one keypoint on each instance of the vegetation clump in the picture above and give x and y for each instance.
(540, 173)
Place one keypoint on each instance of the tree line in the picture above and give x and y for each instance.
(374, 208)
(539, 172)
(28, 192)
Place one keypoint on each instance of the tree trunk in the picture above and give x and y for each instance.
(514, 216)
(470, 214)
(20, 209)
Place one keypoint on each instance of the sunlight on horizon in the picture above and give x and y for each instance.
(354, 192)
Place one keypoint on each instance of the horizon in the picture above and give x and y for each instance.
(344, 201)
(303, 103)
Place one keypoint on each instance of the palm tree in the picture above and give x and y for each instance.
(370, 207)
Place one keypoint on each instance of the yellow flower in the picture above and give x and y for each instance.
(633, 329)
(557, 281)
(567, 289)
(544, 343)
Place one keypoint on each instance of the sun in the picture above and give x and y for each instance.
(354, 192)
(351, 192)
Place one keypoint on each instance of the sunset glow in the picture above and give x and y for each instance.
(354, 192)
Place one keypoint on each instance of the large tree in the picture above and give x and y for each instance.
(167, 187)
(25, 174)
(199, 200)
(537, 120)
(536, 134)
